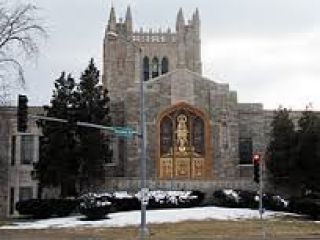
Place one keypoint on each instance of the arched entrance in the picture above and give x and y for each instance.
(183, 143)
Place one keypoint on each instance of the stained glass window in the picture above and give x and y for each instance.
(166, 135)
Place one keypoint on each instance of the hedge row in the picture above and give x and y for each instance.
(248, 199)
(44, 208)
(307, 206)
(96, 206)
(175, 199)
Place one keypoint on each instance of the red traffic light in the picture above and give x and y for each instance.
(256, 167)
(256, 158)
(22, 113)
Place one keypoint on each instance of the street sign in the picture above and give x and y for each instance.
(124, 132)
(144, 196)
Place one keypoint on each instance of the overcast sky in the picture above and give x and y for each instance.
(267, 50)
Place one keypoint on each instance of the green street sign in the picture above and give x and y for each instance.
(124, 132)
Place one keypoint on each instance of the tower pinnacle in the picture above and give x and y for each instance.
(180, 20)
(112, 20)
(128, 20)
(196, 17)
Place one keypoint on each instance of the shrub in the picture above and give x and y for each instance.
(44, 208)
(94, 206)
(174, 199)
(248, 199)
(122, 201)
(307, 206)
(198, 200)
(35, 208)
(226, 198)
(313, 195)
(275, 203)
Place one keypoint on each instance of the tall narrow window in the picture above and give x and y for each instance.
(155, 67)
(224, 135)
(165, 65)
(146, 68)
(13, 150)
(198, 135)
(166, 135)
(11, 211)
(245, 150)
(27, 149)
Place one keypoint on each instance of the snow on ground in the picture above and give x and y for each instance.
(132, 218)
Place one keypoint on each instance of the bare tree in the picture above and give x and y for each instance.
(20, 32)
(6, 92)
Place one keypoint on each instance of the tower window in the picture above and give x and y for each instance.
(146, 68)
(155, 67)
(165, 65)
(245, 150)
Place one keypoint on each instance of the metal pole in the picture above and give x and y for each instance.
(144, 200)
(261, 197)
(260, 188)
(86, 124)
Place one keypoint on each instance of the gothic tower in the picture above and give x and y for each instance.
(161, 51)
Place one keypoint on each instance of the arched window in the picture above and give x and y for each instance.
(184, 145)
(198, 135)
(155, 67)
(165, 65)
(146, 68)
(166, 140)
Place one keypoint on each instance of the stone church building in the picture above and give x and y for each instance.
(198, 134)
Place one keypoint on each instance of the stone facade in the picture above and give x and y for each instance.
(229, 122)
(18, 151)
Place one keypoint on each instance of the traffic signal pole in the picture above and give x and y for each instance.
(261, 210)
(258, 178)
(260, 189)
(121, 131)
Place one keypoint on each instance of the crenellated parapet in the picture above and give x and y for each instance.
(155, 36)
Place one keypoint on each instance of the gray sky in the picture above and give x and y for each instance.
(267, 50)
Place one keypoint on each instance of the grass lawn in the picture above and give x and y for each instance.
(280, 228)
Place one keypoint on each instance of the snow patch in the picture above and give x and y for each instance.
(232, 193)
(132, 218)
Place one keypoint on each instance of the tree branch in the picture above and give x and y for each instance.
(19, 31)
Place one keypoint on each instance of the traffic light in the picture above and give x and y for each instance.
(22, 115)
(256, 167)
